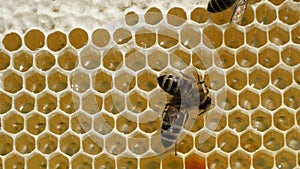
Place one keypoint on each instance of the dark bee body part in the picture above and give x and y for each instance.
(219, 5)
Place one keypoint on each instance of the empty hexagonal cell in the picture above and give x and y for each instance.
(100, 37)
(226, 99)
(176, 16)
(12, 41)
(68, 59)
(185, 144)
(212, 37)
(149, 121)
(12, 82)
(35, 123)
(145, 38)
(91, 103)
(240, 160)
(199, 15)
(180, 59)
(285, 159)
(296, 35)
(14, 161)
(82, 161)
(238, 120)
(122, 35)
(271, 98)
(58, 160)
(138, 143)
(201, 58)
(80, 81)
(281, 78)
(227, 141)
(279, 35)
(273, 140)
(205, 141)
(47, 143)
(146, 80)
(56, 41)
(46, 103)
(136, 101)
(190, 36)
(234, 37)
(167, 38)
(261, 120)
(34, 39)
(104, 161)
(224, 58)
(289, 14)
(81, 122)
(58, 123)
(250, 141)
(112, 59)
(125, 81)
(126, 123)
(265, 13)
(4, 60)
(115, 143)
(24, 102)
(78, 38)
(289, 55)
(157, 59)
(44, 60)
(114, 103)
(216, 120)
(256, 37)
(22, 61)
(172, 162)
(220, 18)
(57, 81)
(217, 160)
(153, 16)
(35, 82)
(102, 81)
(36, 161)
(24, 143)
(292, 139)
(216, 79)
(135, 59)
(263, 159)
(131, 18)
(236, 79)
(291, 98)
(6, 103)
(13, 122)
(69, 144)
(69, 102)
(90, 58)
(245, 57)
(6, 144)
(258, 78)
(92, 144)
(103, 123)
(283, 119)
(150, 162)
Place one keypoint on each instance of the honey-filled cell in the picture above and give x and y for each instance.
(24, 143)
(217, 160)
(222, 17)
(56, 41)
(115, 143)
(233, 37)
(13, 122)
(58, 123)
(37, 161)
(199, 15)
(82, 161)
(205, 142)
(24, 102)
(245, 57)
(4, 60)
(131, 18)
(12, 41)
(138, 143)
(78, 38)
(35, 82)
(90, 58)
(113, 59)
(167, 38)
(47, 143)
(256, 37)
(176, 16)
(92, 144)
(150, 163)
(100, 37)
(34, 39)
(14, 161)
(35, 123)
(81, 123)
(22, 61)
(68, 59)
(279, 35)
(57, 81)
(126, 123)
(105, 161)
(296, 34)
(265, 13)
(238, 120)
(212, 37)
(58, 160)
(157, 59)
(144, 37)
(153, 16)
(44, 60)
(190, 37)
(172, 162)
(135, 59)
(6, 103)
(288, 14)
(69, 143)
(224, 58)
(122, 36)
(180, 59)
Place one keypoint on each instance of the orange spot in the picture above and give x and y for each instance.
(194, 162)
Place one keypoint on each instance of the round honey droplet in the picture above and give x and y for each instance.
(12, 41)
(78, 38)
(34, 39)
(131, 18)
(56, 41)
(100, 37)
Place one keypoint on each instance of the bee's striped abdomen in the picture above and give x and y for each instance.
(174, 84)
(219, 5)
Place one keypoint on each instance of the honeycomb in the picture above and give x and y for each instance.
(87, 97)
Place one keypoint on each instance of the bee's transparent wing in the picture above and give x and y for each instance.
(239, 11)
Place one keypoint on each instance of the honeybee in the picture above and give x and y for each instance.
(221, 5)
(186, 93)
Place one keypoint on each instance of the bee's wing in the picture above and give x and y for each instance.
(239, 11)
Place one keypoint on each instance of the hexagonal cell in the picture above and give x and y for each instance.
(90, 58)
(224, 58)
(138, 143)
(58, 160)
(82, 161)
(193, 160)
(12, 82)
(12, 41)
(234, 37)
(56, 41)
(153, 16)
(22, 61)
(245, 57)
(199, 15)
(196, 123)
(126, 123)
(240, 160)
(296, 35)
(135, 60)
(24, 143)
(122, 35)
(146, 80)
(185, 144)
(281, 78)
(226, 99)
(227, 141)
(216, 79)
(205, 142)
(263, 159)
(34, 39)
(136, 101)
(36, 161)
(212, 37)
(35, 82)
(4, 60)
(114, 103)
(6, 144)
(292, 139)
(6, 103)
(238, 120)
(157, 59)
(150, 162)
(176, 16)
(35, 123)
(115, 143)
(149, 121)
(112, 59)
(217, 160)
(78, 38)
(236, 79)
(167, 38)
(256, 37)
(69, 102)
(80, 81)
(190, 36)
(291, 98)
(250, 141)
(81, 122)
(46, 103)
(265, 13)
(172, 162)
(102, 82)
(180, 59)
(201, 58)
(248, 16)
(69, 144)
(298, 117)
(24, 102)
(279, 35)
(261, 120)
(289, 14)
(258, 78)
(13, 122)
(127, 162)
(289, 55)
(276, 2)
(283, 119)
(100, 37)
(14, 161)
(285, 159)
(47, 143)
(131, 18)
(273, 140)
(44, 60)
(220, 18)
(91, 103)
(145, 38)
(216, 120)
(57, 81)
(68, 59)
(92, 144)
(104, 161)
(271, 98)
(58, 123)
(103, 123)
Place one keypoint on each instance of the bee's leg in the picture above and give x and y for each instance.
(175, 147)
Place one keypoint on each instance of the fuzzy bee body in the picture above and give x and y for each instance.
(219, 5)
